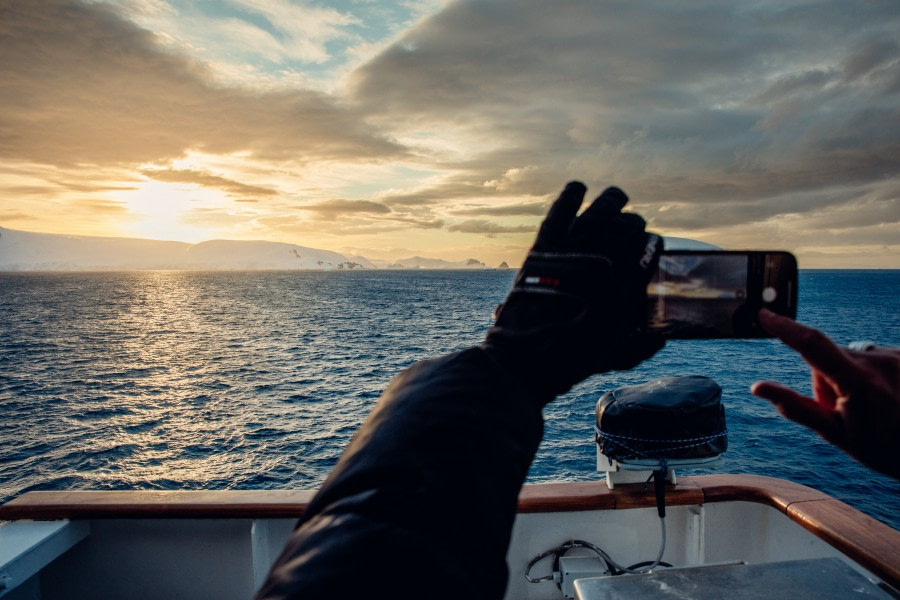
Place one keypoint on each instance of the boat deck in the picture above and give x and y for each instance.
(269, 515)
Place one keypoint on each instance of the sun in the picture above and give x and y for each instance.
(163, 211)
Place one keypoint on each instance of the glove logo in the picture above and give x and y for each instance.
(538, 280)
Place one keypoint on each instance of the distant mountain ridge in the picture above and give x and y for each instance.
(420, 262)
(27, 251)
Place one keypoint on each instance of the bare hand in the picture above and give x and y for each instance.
(857, 394)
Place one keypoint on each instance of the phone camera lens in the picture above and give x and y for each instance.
(769, 294)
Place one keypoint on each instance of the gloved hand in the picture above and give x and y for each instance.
(579, 304)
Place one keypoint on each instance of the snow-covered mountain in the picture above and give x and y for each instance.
(218, 255)
(420, 262)
(25, 251)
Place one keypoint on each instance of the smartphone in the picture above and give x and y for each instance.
(718, 293)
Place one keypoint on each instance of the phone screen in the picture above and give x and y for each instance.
(717, 294)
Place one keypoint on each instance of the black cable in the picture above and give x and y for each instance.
(648, 563)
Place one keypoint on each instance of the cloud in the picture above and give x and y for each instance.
(81, 85)
(448, 191)
(212, 217)
(249, 37)
(93, 187)
(489, 228)
(336, 208)
(29, 190)
(476, 178)
(305, 30)
(420, 223)
(508, 210)
(54, 186)
(11, 215)
(871, 56)
(290, 224)
(208, 180)
(736, 111)
(101, 207)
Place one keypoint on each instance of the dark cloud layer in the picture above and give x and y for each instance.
(208, 180)
(350, 227)
(736, 111)
(336, 208)
(510, 210)
(8, 215)
(489, 228)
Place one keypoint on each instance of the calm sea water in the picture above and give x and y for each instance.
(249, 380)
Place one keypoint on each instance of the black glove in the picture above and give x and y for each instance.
(579, 303)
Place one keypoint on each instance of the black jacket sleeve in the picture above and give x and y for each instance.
(422, 501)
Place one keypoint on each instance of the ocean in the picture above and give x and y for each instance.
(257, 380)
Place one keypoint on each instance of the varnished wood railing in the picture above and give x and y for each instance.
(872, 544)
(140, 504)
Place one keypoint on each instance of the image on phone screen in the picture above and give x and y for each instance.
(700, 296)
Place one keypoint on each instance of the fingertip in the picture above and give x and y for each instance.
(606, 205)
(769, 319)
(575, 186)
(758, 388)
(770, 391)
(615, 197)
(795, 407)
(561, 214)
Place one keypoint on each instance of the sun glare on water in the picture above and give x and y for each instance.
(164, 211)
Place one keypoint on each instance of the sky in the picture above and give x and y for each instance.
(445, 128)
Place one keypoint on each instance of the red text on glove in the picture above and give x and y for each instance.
(539, 280)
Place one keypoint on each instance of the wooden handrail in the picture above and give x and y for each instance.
(872, 544)
(141, 504)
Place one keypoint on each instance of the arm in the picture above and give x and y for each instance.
(856, 403)
(422, 502)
